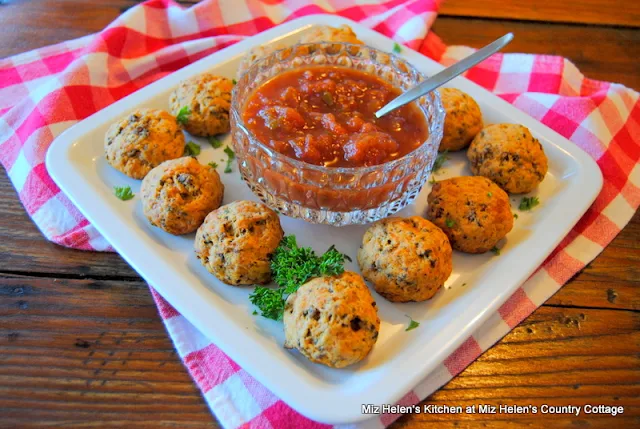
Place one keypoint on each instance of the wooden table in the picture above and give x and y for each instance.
(81, 343)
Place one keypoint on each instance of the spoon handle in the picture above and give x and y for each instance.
(446, 75)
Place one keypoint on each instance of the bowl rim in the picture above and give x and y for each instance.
(235, 113)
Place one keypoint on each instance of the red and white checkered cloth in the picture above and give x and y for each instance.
(43, 92)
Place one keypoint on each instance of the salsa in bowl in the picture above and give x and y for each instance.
(325, 115)
(308, 142)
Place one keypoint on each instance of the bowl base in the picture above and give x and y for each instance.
(327, 217)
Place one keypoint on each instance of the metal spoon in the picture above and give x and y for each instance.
(446, 75)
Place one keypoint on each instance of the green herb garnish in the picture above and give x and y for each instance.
(123, 192)
(234, 81)
(433, 180)
(397, 48)
(515, 215)
(215, 143)
(231, 155)
(527, 203)
(496, 251)
(293, 266)
(213, 164)
(489, 194)
(191, 149)
(255, 312)
(450, 222)
(269, 301)
(183, 115)
(440, 160)
(327, 98)
(412, 324)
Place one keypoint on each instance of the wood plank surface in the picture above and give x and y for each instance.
(600, 12)
(608, 54)
(81, 344)
(22, 248)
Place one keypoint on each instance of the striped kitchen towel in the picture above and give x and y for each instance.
(44, 92)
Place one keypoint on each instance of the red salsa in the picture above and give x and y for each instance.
(324, 115)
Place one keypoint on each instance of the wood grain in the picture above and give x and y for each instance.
(558, 356)
(81, 344)
(609, 55)
(84, 352)
(48, 22)
(22, 248)
(612, 280)
(600, 12)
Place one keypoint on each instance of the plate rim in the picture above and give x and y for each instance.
(320, 403)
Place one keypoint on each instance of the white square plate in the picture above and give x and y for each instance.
(400, 359)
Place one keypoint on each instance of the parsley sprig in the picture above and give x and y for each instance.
(214, 142)
(527, 203)
(123, 192)
(231, 155)
(440, 160)
(191, 149)
(292, 266)
(183, 115)
(397, 48)
(412, 324)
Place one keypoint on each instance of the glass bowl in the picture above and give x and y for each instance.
(334, 195)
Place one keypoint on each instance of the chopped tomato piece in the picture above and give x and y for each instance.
(310, 148)
(282, 118)
(370, 148)
(325, 115)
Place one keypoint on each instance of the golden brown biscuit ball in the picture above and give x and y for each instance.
(463, 119)
(254, 54)
(178, 194)
(142, 140)
(325, 33)
(208, 99)
(406, 259)
(510, 156)
(332, 320)
(472, 210)
(235, 242)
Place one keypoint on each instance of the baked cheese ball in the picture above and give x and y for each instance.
(472, 210)
(463, 119)
(325, 33)
(254, 54)
(208, 98)
(332, 320)
(406, 259)
(142, 140)
(236, 241)
(510, 156)
(178, 194)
